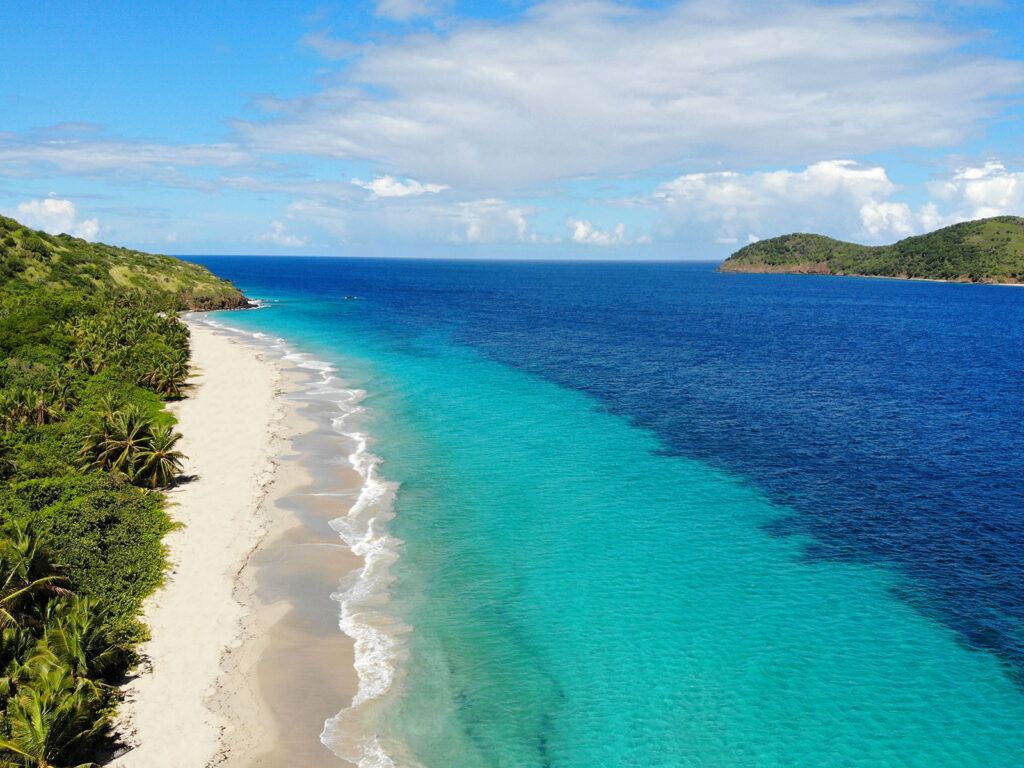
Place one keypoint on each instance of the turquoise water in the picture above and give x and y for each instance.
(575, 595)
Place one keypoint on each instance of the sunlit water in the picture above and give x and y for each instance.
(653, 516)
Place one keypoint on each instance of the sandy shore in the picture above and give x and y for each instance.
(230, 631)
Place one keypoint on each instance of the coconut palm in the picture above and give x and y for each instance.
(159, 463)
(53, 719)
(81, 359)
(75, 634)
(62, 393)
(106, 406)
(129, 433)
(26, 575)
(41, 410)
(20, 651)
(166, 379)
(15, 408)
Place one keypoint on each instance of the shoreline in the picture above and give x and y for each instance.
(901, 278)
(219, 702)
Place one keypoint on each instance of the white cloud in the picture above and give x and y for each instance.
(585, 232)
(330, 47)
(56, 217)
(739, 193)
(406, 10)
(580, 89)
(21, 157)
(278, 236)
(981, 191)
(837, 196)
(487, 221)
(887, 220)
(388, 186)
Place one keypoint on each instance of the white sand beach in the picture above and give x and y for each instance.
(213, 689)
(231, 422)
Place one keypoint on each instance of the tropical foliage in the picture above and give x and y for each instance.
(131, 443)
(58, 661)
(90, 350)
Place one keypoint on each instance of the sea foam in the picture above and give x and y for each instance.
(362, 595)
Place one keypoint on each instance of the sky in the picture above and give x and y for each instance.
(559, 129)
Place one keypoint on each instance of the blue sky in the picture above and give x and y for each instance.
(563, 129)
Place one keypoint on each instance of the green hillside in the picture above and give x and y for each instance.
(33, 259)
(982, 251)
(90, 351)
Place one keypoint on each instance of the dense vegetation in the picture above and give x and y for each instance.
(90, 351)
(983, 251)
(30, 258)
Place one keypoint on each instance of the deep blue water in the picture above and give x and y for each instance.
(880, 418)
(889, 414)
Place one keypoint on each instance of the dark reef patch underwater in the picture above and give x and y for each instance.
(880, 419)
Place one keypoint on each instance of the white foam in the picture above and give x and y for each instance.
(379, 649)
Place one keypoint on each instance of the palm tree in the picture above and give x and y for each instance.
(75, 634)
(106, 406)
(129, 433)
(26, 574)
(20, 651)
(166, 379)
(41, 411)
(81, 359)
(62, 393)
(53, 719)
(159, 463)
(15, 408)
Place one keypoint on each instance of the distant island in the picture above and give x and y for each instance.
(981, 251)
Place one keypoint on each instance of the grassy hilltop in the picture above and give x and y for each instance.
(982, 251)
(30, 258)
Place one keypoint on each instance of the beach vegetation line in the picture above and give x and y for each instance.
(91, 351)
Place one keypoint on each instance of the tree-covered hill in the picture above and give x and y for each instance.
(90, 350)
(30, 258)
(982, 251)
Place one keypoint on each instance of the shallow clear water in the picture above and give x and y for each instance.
(655, 516)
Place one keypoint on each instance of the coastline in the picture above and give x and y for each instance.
(816, 269)
(210, 691)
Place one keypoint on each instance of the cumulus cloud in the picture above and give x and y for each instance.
(278, 236)
(580, 89)
(488, 221)
(585, 232)
(56, 217)
(981, 191)
(837, 195)
(881, 220)
(388, 186)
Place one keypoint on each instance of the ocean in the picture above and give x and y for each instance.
(650, 515)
